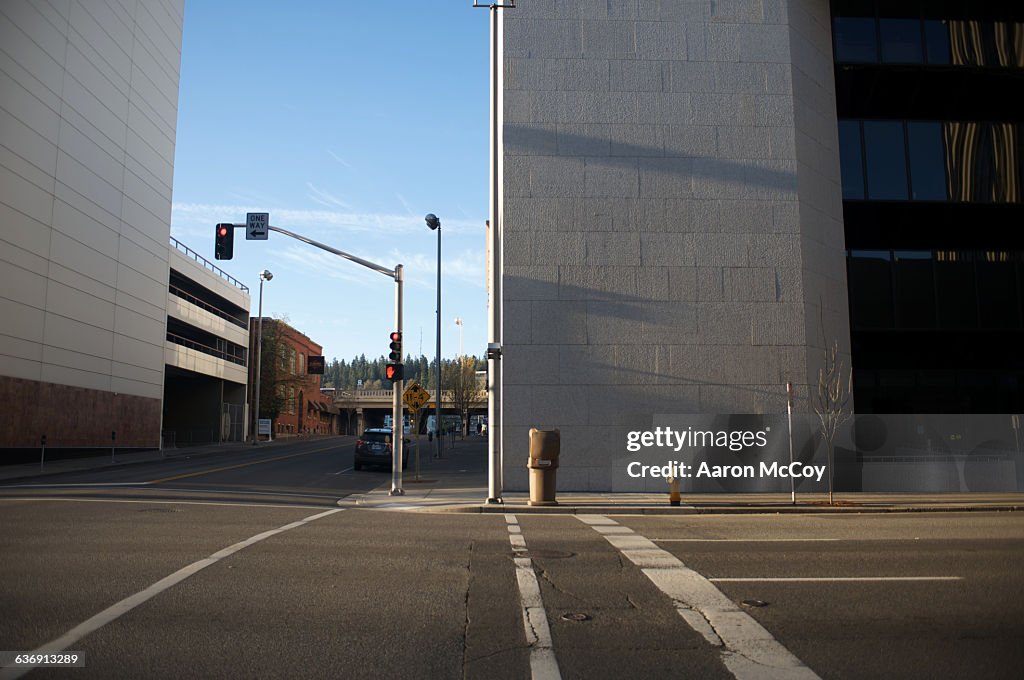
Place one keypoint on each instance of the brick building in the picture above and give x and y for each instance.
(288, 395)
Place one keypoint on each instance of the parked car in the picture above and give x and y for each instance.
(374, 448)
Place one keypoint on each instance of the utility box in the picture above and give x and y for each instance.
(545, 446)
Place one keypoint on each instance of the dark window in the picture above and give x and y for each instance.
(954, 283)
(851, 159)
(901, 41)
(871, 288)
(886, 160)
(927, 161)
(936, 35)
(915, 289)
(997, 291)
(855, 40)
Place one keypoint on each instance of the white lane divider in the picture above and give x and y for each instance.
(131, 602)
(748, 650)
(543, 665)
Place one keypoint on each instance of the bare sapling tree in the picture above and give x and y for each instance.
(831, 405)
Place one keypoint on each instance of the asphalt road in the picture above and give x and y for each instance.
(244, 566)
(302, 472)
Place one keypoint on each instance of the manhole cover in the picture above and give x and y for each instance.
(754, 603)
(554, 554)
(576, 617)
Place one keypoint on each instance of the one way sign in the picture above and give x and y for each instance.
(257, 226)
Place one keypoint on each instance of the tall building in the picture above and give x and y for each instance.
(932, 152)
(88, 109)
(685, 184)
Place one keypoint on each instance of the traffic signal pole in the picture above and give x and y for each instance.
(398, 429)
(397, 422)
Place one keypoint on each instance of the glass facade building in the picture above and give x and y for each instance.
(932, 158)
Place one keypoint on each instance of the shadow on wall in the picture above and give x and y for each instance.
(660, 355)
(760, 178)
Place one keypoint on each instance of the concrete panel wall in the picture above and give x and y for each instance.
(88, 108)
(671, 212)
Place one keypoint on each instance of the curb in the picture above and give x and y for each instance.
(411, 506)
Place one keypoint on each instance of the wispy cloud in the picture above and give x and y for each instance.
(339, 159)
(199, 218)
(467, 267)
(320, 264)
(404, 202)
(325, 198)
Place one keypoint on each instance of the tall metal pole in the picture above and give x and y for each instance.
(437, 411)
(397, 424)
(494, 331)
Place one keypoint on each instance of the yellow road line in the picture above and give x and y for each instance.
(235, 467)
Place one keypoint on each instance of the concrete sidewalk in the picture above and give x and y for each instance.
(457, 482)
(52, 465)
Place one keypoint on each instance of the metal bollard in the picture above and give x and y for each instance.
(545, 447)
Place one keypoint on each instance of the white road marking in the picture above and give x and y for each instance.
(131, 602)
(341, 472)
(828, 579)
(543, 665)
(748, 650)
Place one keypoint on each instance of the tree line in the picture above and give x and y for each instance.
(345, 375)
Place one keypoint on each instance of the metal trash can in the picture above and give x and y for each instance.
(545, 446)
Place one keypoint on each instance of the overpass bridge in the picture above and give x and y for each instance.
(361, 409)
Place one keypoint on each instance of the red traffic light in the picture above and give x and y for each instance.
(224, 243)
(396, 336)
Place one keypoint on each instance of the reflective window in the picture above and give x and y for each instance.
(901, 41)
(855, 40)
(997, 291)
(915, 289)
(927, 161)
(851, 159)
(870, 289)
(954, 285)
(936, 36)
(886, 160)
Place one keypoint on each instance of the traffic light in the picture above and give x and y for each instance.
(224, 248)
(395, 371)
(396, 347)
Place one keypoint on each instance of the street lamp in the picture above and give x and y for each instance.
(265, 275)
(458, 322)
(435, 225)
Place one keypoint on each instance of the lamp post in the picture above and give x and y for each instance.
(265, 275)
(435, 225)
(495, 245)
(458, 322)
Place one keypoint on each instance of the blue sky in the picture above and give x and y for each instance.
(348, 122)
